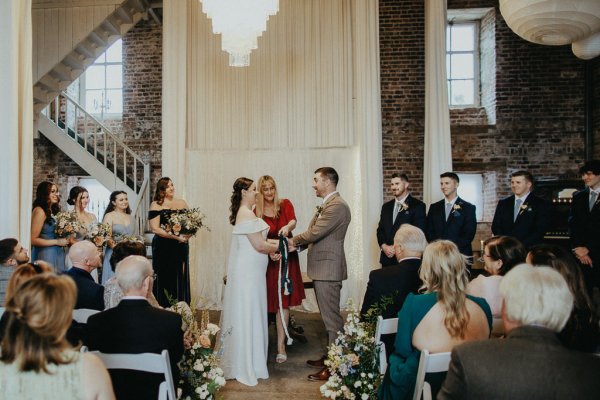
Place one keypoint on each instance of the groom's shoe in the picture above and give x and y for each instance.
(320, 363)
(322, 375)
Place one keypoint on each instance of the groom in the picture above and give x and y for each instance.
(326, 259)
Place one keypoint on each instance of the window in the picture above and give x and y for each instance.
(471, 189)
(102, 84)
(462, 63)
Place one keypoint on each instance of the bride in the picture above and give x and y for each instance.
(244, 320)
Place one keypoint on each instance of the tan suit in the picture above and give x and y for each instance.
(326, 259)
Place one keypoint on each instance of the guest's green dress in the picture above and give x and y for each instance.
(399, 380)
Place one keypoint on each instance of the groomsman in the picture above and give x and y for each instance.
(404, 209)
(452, 218)
(326, 258)
(522, 215)
(584, 223)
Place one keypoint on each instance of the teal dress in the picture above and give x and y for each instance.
(54, 255)
(399, 380)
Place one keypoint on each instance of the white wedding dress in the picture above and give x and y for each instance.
(244, 324)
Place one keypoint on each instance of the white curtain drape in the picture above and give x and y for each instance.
(16, 103)
(438, 147)
(310, 98)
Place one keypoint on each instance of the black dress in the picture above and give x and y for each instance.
(170, 260)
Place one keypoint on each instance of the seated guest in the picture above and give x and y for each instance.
(12, 254)
(500, 254)
(530, 363)
(581, 331)
(134, 326)
(437, 321)
(36, 361)
(86, 258)
(112, 291)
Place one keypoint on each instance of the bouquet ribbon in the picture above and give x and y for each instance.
(283, 282)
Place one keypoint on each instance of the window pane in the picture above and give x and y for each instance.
(462, 66)
(447, 66)
(462, 93)
(114, 52)
(114, 103)
(93, 101)
(463, 37)
(101, 59)
(114, 76)
(94, 77)
(447, 37)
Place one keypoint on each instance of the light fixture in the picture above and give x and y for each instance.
(240, 23)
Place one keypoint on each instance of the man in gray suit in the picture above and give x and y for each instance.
(530, 363)
(326, 258)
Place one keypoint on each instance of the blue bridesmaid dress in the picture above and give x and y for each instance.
(54, 255)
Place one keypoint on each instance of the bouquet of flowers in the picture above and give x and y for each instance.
(99, 233)
(67, 224)
(200, 375)
(353, 361)
(184, 222)
(128, 238)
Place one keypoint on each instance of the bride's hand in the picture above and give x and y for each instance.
(275, 256)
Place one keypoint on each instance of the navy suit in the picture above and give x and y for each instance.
(89, 293)
(387, 228)
(531, 223)
(134, 326)
(584, 226)
(460, 227)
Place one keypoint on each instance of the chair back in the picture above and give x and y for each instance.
(384, 327)
(147, 362)
(2, 311)
(429, 363)
(81, 315)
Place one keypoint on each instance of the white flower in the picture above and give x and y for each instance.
(198, 365)
(364, 396)
(357, 384)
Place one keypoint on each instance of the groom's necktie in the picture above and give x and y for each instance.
(593, 198)
(396, 211)
(517, 209)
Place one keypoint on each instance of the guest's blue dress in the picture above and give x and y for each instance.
(54, 255)
(117, 229)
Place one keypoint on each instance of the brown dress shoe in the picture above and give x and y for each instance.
(322, 375)
(320, 363)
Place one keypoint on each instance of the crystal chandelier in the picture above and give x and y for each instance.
(240, 23)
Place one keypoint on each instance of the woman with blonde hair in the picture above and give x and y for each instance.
(36, 361)
(437, 320)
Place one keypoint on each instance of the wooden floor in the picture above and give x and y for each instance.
(287, 380)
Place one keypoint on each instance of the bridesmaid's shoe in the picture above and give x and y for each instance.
(281, 358)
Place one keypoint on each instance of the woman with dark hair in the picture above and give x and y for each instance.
(79, 198)
(118, 216)
(37, 362)
(170, 253)
(581, 331)
(244, 317)
(500, 254)
(46, 246)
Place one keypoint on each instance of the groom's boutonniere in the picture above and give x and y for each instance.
(403, 207)
(456, 209)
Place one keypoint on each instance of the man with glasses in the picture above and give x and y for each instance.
(12, 254)
(134, 326)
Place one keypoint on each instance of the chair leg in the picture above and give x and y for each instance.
(426, 391)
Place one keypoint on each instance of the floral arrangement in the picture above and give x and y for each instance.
(99, 233)
(184, 222)
(128, 238)
(200, 375)
(353, 361)
(67, 224)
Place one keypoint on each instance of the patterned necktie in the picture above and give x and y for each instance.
(517, 209)
(593, 198)
(448, 210)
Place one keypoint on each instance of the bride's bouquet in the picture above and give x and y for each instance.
(200, 377)
(99, 233)
(67, 224)
(186, 221)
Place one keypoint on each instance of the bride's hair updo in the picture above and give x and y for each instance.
(236, 197)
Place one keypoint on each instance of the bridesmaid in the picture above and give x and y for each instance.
(46, 246)
(79, 198)
(170, 253)
(118, 216)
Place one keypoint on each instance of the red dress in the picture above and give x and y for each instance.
(286, 214)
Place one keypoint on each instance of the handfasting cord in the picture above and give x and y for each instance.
(285, 283)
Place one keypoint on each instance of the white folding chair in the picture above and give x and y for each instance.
(81, 315)
(429, 363)
(384, 327)
(147, 362)
(1, 311)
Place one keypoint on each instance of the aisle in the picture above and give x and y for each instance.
(287, 380)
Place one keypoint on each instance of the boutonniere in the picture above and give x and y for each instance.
(524, 207)
(456, 209)
(403, 207)
(319, 210)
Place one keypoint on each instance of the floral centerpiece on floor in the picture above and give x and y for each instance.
(200, 375)
(67, 224)
(99, 233)
(184, 222)
(353, 361)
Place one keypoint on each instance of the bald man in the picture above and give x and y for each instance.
(86, 258)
